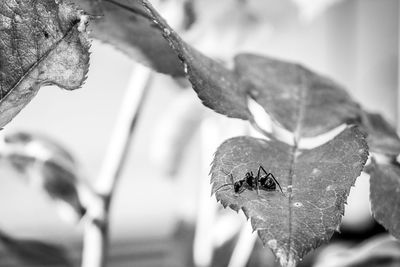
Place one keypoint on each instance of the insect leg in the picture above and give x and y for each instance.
(219, 188)
(275, 181)
(262, 168)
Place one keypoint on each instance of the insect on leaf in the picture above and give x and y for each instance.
(385, 196)
(315, 186)
(33, 253)
(41, 43)
(46, 165)
(295, 97)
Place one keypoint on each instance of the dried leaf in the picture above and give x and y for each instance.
(127, 26)
(315, 186)
(385, 195)
(300, 100)
(33, 252)
(382, 137)
(42, 43)
(46, 165)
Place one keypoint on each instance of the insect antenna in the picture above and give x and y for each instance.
(230, 174)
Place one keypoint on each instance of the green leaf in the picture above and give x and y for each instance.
(303, 102)
(385, 195)
(126, 25)
(382, 137)
(42, 43)
(47, 165)
(315, 186)
(33, 252)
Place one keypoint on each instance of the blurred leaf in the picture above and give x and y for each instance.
(300, 100)
(126, 25)
(385, 195)
(234, 26)
(382, 137)
(46, 165)
(42, 43)
(315, 186)
(377, 251)
(34, 253)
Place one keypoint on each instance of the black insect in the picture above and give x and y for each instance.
(265, 181)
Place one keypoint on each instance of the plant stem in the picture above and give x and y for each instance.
(96, 237)
(244, 247)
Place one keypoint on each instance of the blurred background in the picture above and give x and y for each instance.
(355, 42)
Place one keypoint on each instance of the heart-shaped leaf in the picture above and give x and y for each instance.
(33, 252)
(382, 137)
(300, 100)
(385, 195)
(47, 165)
(315, 185)
(42, 43)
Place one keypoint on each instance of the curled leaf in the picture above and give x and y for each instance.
(46, 165)
(42, 43)
(315, 186)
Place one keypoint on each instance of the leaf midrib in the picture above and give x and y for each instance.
(303, 91)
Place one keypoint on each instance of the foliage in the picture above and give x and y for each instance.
(28, 252)
(47, 165)
(384, 193)
(315, 186)
(44, 42)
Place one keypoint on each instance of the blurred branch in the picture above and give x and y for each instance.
(203, 247)
(244, 246)
(96, 230)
